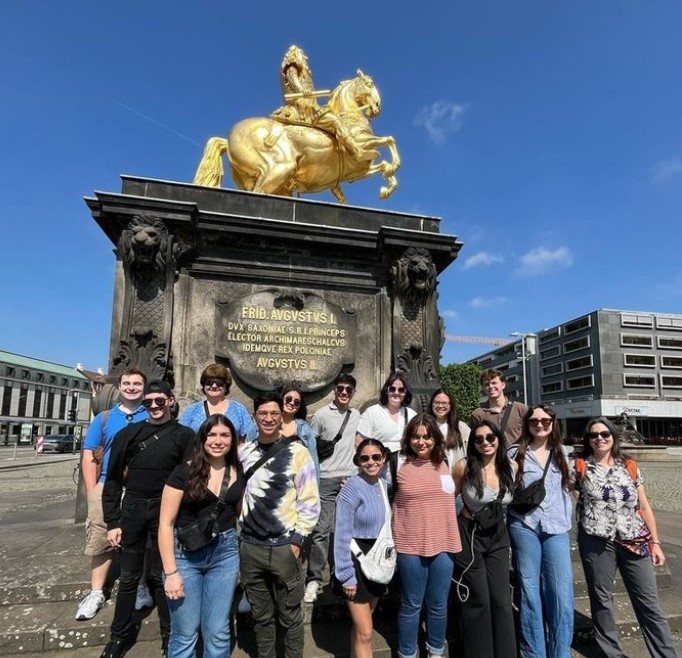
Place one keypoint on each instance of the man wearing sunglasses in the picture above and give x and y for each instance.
(336, 424)
(99, 440)
(504, 413)
(143, 457)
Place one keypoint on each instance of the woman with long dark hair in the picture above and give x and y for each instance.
(425, 534)
(455, 431)
(617, 529)
(200, 583)
(361, 512)
(538, 530)
(386, 421)
(485, 478)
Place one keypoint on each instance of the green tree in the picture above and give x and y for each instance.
(461, 381)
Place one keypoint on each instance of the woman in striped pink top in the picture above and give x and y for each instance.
(425, 533)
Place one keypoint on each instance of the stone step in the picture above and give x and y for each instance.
(633, 647)
(671, 605)
(664, 580)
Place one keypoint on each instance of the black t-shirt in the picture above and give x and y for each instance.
(193, 510)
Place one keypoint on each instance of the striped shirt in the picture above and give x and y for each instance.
(424, 520)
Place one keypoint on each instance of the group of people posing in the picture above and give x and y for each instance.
(268, 499)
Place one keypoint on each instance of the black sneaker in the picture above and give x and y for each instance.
(114, 649)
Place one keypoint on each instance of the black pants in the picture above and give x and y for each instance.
(487, 619)
(139, 519)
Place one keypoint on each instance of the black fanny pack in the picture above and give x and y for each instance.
(325, 449)
(526, 499)
(491, 514)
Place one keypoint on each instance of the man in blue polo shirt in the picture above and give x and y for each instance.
(102, 432)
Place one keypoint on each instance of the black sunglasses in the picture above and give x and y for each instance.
(220, 383)
(605, 434)
(148, 403)
(376, 457)
(488, 438)
(294, 402)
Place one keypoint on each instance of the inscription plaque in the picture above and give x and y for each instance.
(276, 336)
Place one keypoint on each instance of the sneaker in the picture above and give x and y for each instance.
(144, 597)
(90, 606)
(312, 589)
(114, 649)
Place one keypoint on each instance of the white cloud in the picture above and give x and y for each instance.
(541, 260)
(450, 314)
(487, 302)
(666, 169)
(482, 258)
(439, 119)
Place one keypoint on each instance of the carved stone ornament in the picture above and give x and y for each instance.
(277, 336)
(149, 254)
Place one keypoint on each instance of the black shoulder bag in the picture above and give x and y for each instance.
(325, 449)
(526, 499)
(283, 443)
(201, 533)
(139, 448)
(491, 514)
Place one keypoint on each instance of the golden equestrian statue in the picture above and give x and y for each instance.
(302, 147)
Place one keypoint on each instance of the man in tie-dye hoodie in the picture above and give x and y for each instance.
(279, 511)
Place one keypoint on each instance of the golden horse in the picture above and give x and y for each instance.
(274, 157)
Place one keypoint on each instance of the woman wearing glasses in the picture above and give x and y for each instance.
(455, 432)
(617, 528)
(425, 534)
(485, 477)
(361, 511)
(387, 420)
(215, 384)
(539, 538)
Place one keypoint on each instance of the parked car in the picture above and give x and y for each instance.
(61, 443)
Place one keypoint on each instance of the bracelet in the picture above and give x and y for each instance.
(655, 541)
(172, 573)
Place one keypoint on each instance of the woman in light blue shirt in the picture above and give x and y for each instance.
(540, 541)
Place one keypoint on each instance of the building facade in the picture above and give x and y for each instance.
(605, 363)
(40, 397)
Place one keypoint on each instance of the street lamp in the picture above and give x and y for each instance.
(523, 335)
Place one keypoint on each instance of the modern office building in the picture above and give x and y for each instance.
(605, 363)
(40, 397)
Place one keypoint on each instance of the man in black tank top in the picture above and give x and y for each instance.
(142, 458)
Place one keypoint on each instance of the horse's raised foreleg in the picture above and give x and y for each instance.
(386, 169)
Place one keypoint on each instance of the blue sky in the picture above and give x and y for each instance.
(547, 135)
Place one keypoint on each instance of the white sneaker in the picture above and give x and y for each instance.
(144, 597)
(90, 606)
(312, 589)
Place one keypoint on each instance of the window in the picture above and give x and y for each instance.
(62, 405)
(551, 335)
(669, 323)
(26, 374)
(49, 409)
(671, 381)
(37, 397)
(64, 381)
(671, 362)
(40, 377)
(577, 325)
(511, 379)
(10, 371)
(636, 320)
(552, 387)
(6, 399)
(639, 360)
(577, 344)
(554, 369)
(670, 342)
(23, 397)
(550, 352)
(643, 381)
(53, 379)
(580, 382)
(484, 360)
(636, 340)
(582, 362)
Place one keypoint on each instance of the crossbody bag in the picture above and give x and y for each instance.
(325, 448)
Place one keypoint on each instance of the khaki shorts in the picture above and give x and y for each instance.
(96, 542)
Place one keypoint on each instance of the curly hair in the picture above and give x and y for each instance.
(453, 439)
(429, 422)
(474, 460)
(554, 445)
(199, 467)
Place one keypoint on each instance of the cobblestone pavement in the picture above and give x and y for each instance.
(663, 484)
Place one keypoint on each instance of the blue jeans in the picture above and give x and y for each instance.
(423, 581)
(544, 575)
(210, 577)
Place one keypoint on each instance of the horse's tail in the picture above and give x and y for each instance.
(210, 171)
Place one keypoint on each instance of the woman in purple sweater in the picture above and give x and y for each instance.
(360, 514)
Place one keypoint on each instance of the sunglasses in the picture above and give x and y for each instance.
(396, 389)
(150, 403)
(605, 434)
(545, 422)
(341, 389)
(220, 383)
(376, 458)
(294, 402)
(488, 438)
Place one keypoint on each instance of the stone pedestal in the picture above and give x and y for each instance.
(279, 289)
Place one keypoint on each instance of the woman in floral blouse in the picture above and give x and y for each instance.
(617, 529)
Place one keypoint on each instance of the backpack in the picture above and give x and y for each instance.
(581, 468)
